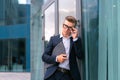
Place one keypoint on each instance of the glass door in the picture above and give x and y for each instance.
(48, 23)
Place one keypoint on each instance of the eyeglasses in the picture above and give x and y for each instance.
(67, 27)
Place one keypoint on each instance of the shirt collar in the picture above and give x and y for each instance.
(61, 36)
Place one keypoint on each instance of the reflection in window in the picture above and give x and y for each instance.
(91, 37)
(11, 12)
(49, 22)
(66, 7)
(12, 55)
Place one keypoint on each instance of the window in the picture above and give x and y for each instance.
(49, 22)
(11, 12)
(66, 7)
(90, 19)
(12, 55)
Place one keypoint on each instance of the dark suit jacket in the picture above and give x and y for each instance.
(75, 51)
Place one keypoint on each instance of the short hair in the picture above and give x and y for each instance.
(71, 19)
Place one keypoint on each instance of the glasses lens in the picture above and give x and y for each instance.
(66, 26)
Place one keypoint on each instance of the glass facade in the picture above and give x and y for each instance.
(13, 7)
(90, 29)
(12, 55)
(109, 39)
(14, 36)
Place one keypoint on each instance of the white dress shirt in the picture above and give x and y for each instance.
(66, 42)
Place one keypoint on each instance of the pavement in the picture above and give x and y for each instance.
(15, 76)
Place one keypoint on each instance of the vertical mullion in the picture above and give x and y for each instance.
(115, 40)
(118, 22)
(85, 22)
(110, 36)
(102, 67)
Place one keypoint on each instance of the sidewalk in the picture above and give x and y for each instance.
(14, 76)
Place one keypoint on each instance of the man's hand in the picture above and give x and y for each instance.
(61, 58)
(74, 33)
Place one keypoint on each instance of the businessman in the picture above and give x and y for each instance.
(62, 63)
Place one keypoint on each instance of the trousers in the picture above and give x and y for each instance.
(58, 75)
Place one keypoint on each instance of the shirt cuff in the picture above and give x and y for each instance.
(56, 59)
(75, 39)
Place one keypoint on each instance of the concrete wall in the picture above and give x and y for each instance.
(36, 40)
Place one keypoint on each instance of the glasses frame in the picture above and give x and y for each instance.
(67, 27)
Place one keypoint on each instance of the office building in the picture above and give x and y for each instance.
(14, 36)
(99, 26)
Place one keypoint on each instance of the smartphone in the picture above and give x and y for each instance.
(64, 56)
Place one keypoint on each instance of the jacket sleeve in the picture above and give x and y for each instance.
(47, 56)
(78, 48)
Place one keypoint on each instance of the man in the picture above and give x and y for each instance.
(64, 65)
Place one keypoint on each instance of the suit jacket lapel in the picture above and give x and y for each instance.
(59, 39)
